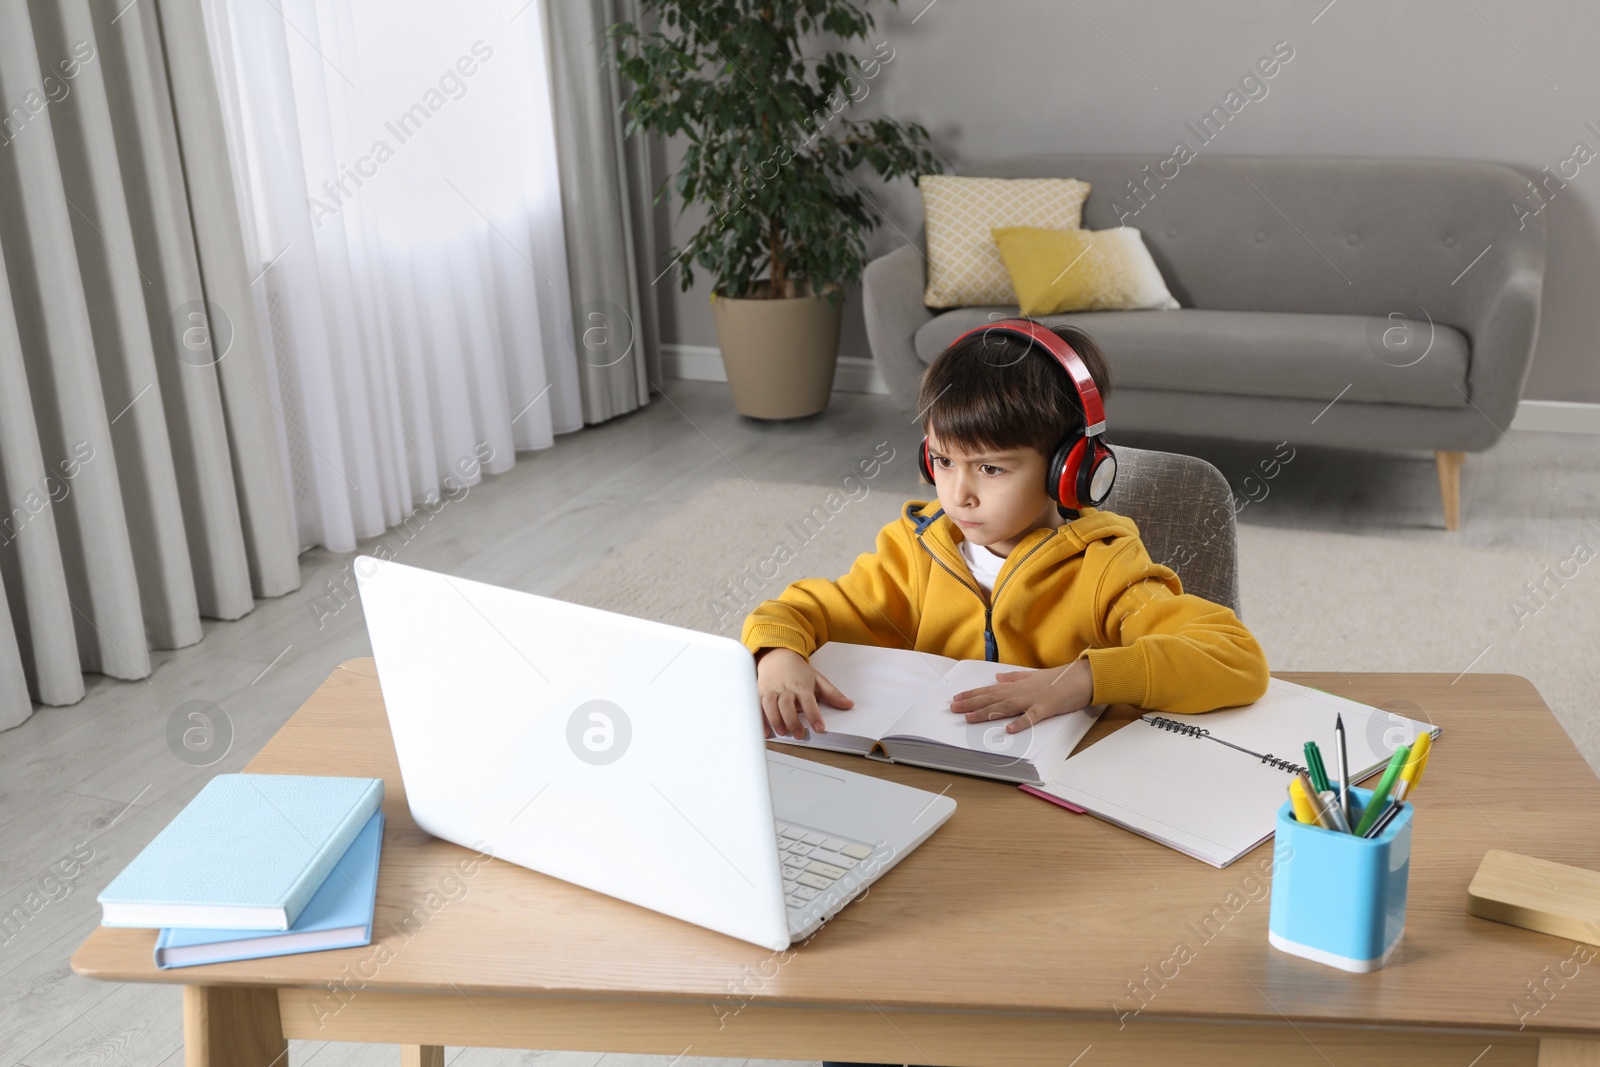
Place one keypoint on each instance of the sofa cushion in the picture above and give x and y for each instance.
(1253, 353)
(1058, 271)
(964, 265)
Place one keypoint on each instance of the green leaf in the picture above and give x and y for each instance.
(771, 141)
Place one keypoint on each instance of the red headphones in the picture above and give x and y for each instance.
(1083, 467)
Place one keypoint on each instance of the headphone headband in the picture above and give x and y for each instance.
(1083, 466)
(1094, 416)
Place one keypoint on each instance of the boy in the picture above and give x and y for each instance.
(996, 569)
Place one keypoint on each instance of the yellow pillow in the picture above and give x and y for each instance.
(1059, 270)
(964, 267)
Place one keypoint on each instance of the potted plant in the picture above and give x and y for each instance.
(770, 156)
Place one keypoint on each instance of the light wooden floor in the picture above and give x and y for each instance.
(99, 775)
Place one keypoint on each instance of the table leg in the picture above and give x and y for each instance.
(421, 1056)
(232, 1026)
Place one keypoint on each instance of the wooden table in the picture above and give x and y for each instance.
(1018, 934)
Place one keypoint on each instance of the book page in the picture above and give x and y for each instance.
(902, 693)
(929, 718)
(883, 682)
(1188, 793)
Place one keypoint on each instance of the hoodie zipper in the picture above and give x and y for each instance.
(991, 648)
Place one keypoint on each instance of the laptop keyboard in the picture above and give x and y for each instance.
(813, 861)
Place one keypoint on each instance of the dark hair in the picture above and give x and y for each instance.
(995, 391)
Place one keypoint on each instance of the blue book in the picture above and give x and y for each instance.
(339, 916)
(247, 853)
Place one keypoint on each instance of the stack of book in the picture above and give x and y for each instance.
(257, 865)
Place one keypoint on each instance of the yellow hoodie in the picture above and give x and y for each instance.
(1087, 587)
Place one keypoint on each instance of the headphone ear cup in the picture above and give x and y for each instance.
(1102, 456)
(923, 463)
(1060, 481)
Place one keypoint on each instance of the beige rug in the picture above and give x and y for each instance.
(1315, 601)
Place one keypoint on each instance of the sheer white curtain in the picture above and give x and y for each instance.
(398, 185)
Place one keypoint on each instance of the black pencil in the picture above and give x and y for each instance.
(1385, 819)
(1344, 770)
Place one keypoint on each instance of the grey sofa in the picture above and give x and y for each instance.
(1368, 303)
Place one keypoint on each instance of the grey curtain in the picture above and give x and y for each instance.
(606, 202)
(138, 464)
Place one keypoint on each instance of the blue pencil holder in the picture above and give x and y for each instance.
(1337, 898)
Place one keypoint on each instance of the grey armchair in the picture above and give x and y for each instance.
(1290, 273)
(1183, 507)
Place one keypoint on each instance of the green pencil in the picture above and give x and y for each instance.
(1376, 805)
(1317, 772)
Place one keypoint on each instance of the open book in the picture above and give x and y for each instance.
(1210, 785)
(902, 714)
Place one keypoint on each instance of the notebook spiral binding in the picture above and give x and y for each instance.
(1284, 765)
(1173, 725)
(1178, 727)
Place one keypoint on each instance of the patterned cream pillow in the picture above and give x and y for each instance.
(964, 264)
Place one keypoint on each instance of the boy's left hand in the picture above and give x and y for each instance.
(1028, 697)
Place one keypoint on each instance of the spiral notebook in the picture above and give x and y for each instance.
(1210, 785)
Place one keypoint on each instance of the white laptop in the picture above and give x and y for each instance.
(623, 755)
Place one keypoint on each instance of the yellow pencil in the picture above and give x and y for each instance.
(1411, 773)
(1300, 797)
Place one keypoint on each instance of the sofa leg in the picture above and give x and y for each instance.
(1449, 465)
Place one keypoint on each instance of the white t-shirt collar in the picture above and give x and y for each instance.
(984, 564)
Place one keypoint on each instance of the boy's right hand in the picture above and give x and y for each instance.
(789, 688)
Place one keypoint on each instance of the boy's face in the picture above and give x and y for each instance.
(995, 498)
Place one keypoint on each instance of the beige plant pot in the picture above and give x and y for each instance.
(780, 355)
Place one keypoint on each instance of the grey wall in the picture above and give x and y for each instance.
(1485, 79)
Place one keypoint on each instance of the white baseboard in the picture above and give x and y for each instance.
(703, 363)
(857, 375)
(1562, 416)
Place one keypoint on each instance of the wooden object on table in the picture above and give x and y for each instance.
(1552, 898)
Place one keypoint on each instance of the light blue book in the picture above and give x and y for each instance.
(339, 916)
(247, 853)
